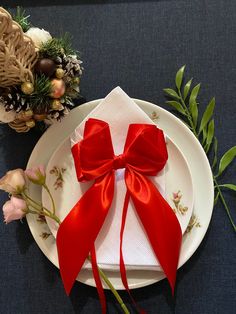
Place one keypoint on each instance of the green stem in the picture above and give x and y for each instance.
(30, 199)
(189, 117)
(52, 216)
(33, 203)
(113, 290)
(224, 203)
(32, 211)
(52, 200)
(39, 209)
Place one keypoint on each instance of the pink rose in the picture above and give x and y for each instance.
(36, 174)
(14, 209)
(13, 182)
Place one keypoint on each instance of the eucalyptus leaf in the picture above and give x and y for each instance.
(227, 159)
(194, 93)
(210, 134)
(179, 77)
(229, 186)
(172, 93)
(177, 106)
(187, 88)
(207, 114)
(215, 153)
(193, 108)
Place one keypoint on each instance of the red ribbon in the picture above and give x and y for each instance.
(145, 154)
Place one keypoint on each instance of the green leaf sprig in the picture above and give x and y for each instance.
(184, 100)
(57, 47)
(22, 19)
(40, 99)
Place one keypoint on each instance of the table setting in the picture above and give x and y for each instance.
(117, 165)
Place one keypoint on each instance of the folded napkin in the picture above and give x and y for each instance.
(119, 110)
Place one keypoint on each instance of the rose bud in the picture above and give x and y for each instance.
(36, 175)
(14, 209)
(13, 182)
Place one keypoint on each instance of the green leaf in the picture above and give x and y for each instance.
(172, 93)
(227, 159)
(177, 106)
(187, 88)
(179, 77)
(210, 134)
(204, 135)
(215, 153)
(194, 93)
(216, 198)
(207, 114)
(229, 186)
(194, 112)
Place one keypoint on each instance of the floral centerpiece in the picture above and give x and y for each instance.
(39, 74)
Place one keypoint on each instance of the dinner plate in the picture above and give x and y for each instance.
(201, 177)
(66, 191)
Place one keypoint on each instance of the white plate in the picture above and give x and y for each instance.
(66, 191)
(200, 172)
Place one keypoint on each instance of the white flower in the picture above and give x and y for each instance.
(6, 116)
(39, 36)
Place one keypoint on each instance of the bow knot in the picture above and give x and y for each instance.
(119, 161)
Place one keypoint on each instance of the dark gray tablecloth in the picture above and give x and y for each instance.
(138, 45)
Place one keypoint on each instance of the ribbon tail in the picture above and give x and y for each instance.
(78, 231)
(122, 263)
(98, 282)
(159, 221)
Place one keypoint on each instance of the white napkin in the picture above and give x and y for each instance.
(119, 110)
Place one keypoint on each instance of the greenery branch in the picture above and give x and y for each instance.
(22, 19)
(56, 47)
(184, 100)
(40, 99)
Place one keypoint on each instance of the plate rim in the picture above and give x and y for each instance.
(140, 103)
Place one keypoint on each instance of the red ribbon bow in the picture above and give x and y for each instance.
(145, 154)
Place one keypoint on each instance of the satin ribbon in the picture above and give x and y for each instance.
(145, 154)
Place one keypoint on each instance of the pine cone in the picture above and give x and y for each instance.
(15, 100)
(71, 65)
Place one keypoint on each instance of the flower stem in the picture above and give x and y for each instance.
(26, 196)
(50, 195)
(113, 290)
(39, 209)
(33, 203)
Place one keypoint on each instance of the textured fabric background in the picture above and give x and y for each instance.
(138, 45)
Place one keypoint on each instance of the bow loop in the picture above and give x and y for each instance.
(148, 143)
(94, 154)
